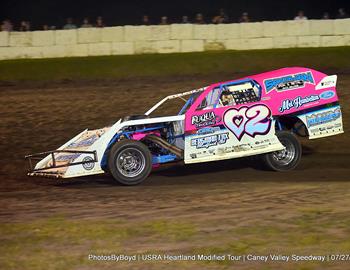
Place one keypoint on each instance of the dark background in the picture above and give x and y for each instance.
(123, 12)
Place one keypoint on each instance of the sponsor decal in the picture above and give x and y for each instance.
(205, 119)
(85, 142)
(322, 117)
(289, 82)
(242, 147)
(66, 157)
(208, 141)
(326, 82)
(297, 102)
(88, 165)
(236, 148)
(255, 120)
(321, 129)
(266, 141)
(327, 94)
(208, 130)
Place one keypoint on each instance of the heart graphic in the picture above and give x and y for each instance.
(235, 121)
(255, 120)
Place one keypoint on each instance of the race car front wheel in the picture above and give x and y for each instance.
(286, 159)
(129, 162)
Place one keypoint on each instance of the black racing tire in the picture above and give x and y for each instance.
(287, 159)
(129, 162)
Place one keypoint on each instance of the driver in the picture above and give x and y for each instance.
(227, 98)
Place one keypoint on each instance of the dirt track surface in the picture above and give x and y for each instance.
(216, 198)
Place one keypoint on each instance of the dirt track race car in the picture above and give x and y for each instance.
(263, 115)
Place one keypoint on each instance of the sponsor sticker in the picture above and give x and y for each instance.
(208, 130)
(208, 141)
(90, 164)
(296, 103)
(327, 94)
(289, 82)
(85, 142)
(319, 118)
(67, 157)
(205, 119)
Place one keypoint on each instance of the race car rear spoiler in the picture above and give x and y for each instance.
(54, 164)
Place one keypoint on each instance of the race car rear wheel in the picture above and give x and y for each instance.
(130, 162)
(286, 159)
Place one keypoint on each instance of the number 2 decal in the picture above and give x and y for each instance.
(255, 120)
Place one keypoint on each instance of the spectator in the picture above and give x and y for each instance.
(145, 20)
(163, 20)
(47, 27)
(221, 18)
(301, 16)
(342, 14)
(199, 19)
(24, 26)
(99, 22)
(325, 16)
(69, 24)
(185, 19)
(86, 23)
(244, 18)
(6, 26)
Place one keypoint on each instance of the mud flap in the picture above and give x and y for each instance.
(324, 122)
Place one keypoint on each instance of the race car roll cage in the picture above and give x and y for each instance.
(205, 90)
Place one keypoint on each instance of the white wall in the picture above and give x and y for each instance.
(126, 40)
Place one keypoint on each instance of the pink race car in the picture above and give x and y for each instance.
(263, 114)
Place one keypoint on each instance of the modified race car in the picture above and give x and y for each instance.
(263, 115)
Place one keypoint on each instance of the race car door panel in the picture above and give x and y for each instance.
(229, 121)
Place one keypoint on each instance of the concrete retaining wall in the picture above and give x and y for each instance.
(126, 40)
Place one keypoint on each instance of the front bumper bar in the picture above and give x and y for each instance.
(47, 171)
